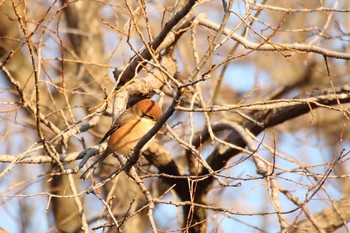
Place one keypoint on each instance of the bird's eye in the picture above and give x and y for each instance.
(149, 116)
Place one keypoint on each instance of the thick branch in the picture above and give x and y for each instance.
(39, 159)
(329, 219)
(271, 118)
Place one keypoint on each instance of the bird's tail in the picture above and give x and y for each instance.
(95, 164)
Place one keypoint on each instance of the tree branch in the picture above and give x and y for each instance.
(274, 46)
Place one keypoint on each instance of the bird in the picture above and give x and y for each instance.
(128, 130)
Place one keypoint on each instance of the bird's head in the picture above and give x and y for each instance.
(148, 109)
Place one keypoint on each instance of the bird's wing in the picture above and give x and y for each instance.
(123, 119)
(109, 132)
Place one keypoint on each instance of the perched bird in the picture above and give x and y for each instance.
(127, 130)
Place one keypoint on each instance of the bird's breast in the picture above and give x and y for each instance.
(124, 139)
